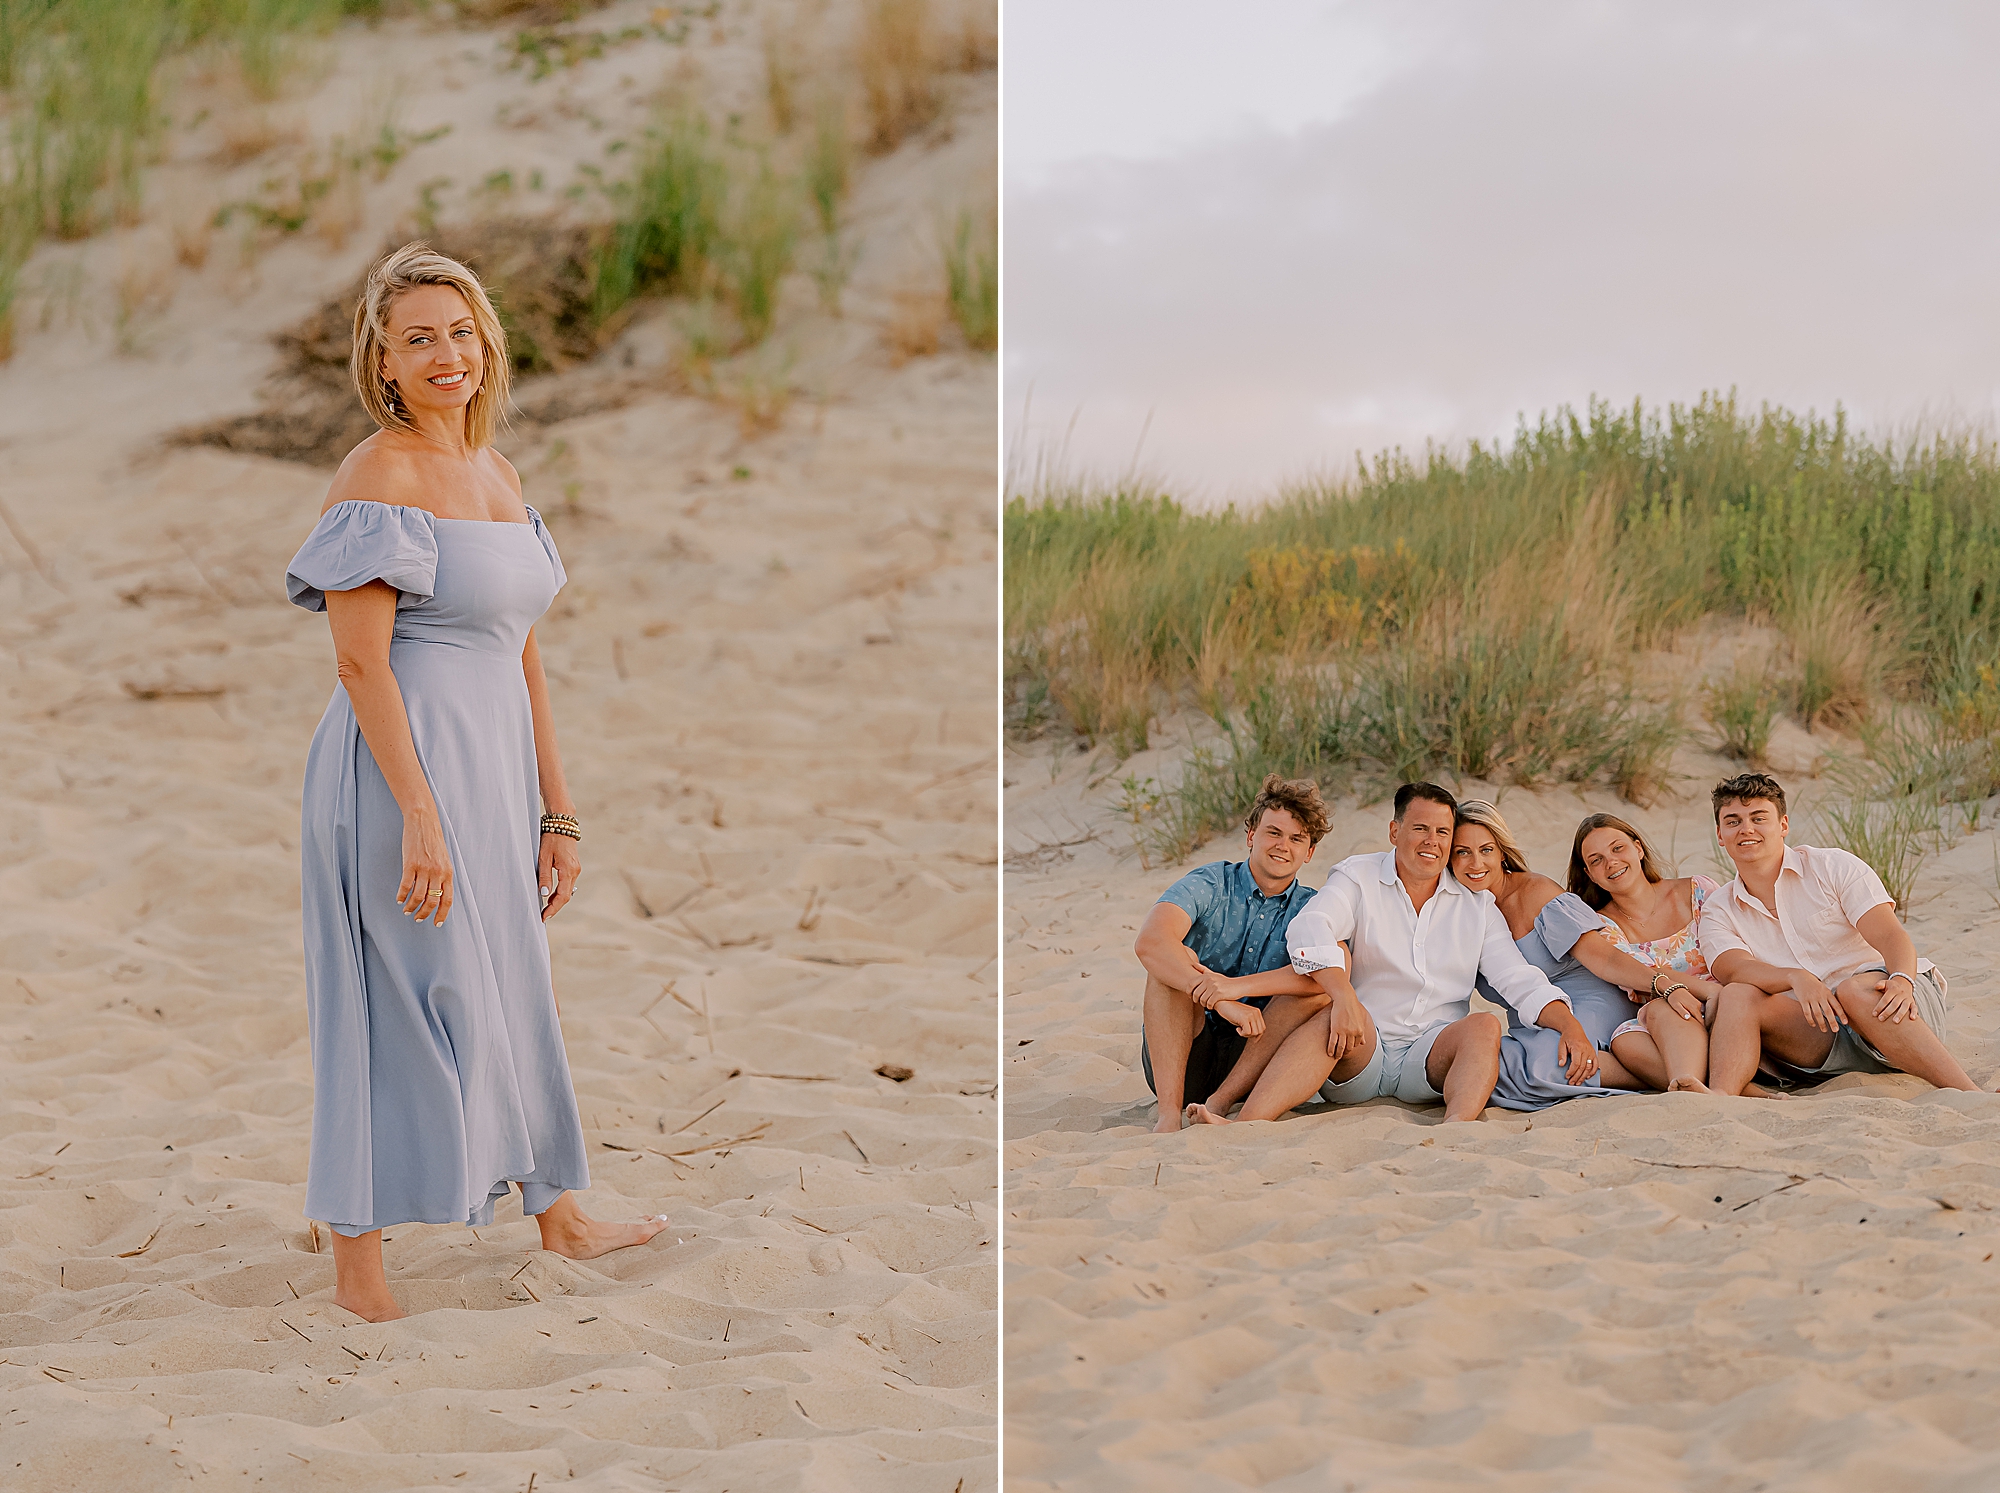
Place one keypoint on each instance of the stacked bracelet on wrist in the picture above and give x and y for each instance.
(561, 824)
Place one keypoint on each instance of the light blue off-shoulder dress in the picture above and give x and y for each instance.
(1531, 1077)
(438, 1068)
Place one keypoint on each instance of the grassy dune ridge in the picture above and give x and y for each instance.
(722, 215)
(1483, 616)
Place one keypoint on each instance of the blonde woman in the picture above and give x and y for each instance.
(1568, 941)
(438, 831)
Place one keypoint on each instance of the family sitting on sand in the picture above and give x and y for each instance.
(1262, 992)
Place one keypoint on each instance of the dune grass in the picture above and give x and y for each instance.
(669, 213)
(760, 233)
(972, 278)
(80, 104)
(1483, 616)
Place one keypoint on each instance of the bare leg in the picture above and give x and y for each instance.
(1172, 1018)
(1910, 1045)
(567, 1231)
(1683, 1045)
(1640, 1055)
(1281, 1018)
(1747, 1024)
(1615, 1075)
(359, 1286)
(1464, 1064)
(1297, 1069)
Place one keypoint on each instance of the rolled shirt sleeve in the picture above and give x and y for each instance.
(1860, 890)
(1507, 970)
(1316, 934)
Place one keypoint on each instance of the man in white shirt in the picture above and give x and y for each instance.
(1400, 1022)
(1819, 975)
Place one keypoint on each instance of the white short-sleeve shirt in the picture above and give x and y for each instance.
(1822, 893)
(1413, 969)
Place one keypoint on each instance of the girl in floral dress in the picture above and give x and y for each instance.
(1653, 919)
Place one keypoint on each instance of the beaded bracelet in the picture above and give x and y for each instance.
(561, 824)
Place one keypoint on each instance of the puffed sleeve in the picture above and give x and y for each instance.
(356, 542)
(1518, 982)
(549, 544)
(1565, 919)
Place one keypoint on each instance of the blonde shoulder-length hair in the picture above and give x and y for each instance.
(403, 270)
(1487, 816)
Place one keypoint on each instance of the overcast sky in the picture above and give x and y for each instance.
(1272, 234)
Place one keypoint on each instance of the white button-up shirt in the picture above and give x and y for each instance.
(1413, 969)
(1821, 894)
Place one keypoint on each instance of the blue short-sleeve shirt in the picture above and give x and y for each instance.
(1237, 929)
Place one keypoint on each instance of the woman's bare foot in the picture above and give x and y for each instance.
(1688, 1086)
(577, 1237)
(370, 1306)
(1201, 1114)
(359, 1285)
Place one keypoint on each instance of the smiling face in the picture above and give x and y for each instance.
(1279, 849)
(1752, 831)
(1477, 862)
(1613, 860)
(434, 356)
(1422, 841)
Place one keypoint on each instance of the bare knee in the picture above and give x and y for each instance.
(1857, 994)
(1483, 1029)
(1740, 997)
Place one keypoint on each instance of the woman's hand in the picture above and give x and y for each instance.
(1684, 1003)
(426, 890)
(556, 872)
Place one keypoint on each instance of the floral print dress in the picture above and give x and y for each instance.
(1679, 951)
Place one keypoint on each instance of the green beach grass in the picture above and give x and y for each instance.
(80, 110)
(1483, 615)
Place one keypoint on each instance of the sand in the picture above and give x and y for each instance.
(1634, 1293)
(772, 673)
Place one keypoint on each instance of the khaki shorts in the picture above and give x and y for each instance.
(1396, 1071)
(1853, 1053)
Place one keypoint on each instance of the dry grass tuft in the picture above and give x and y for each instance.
(191, 226)
(898, 63)
(915, 328)
(761, 395)
(974, 44)
(1842, 651)
(249, 133)
(143, 286)
(781, 74)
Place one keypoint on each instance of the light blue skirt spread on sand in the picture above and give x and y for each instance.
(1531, 1076)
(438, 1067)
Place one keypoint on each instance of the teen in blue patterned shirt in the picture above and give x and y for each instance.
(1218, 978)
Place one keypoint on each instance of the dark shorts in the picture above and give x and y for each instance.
(1217, 1046)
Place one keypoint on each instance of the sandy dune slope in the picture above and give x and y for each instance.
(772, 670)
(1633, 1292)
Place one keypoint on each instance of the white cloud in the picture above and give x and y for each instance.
(1534, 203)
